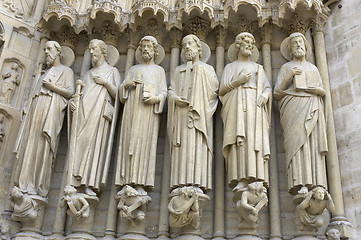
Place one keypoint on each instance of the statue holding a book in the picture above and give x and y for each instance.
(299, 92)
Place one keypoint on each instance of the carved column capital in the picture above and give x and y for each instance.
(153, 28)
(176, 37)
(244, 25)
(318, 25)
(65, 37)
(266, 34)
(199, 27)
(297, 24)
(132, 38)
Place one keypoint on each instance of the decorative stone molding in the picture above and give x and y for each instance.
(234, 4)
(291, 5)
(107, 32)
(199, 27)
(186, 6)
(109, 6)
(61, 11)
(244, 25)
(65, 37)
(153, 28)
(296, 24)
(156, 6)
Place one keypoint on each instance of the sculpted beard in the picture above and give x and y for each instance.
(190, 54)
(146, 55)
(50, 58)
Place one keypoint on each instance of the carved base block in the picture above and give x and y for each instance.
(56, 236)
(163, 238)
(305, 238)
(28, 235)
(343, 226)
(133, 236)
(79, 235)
(189, 237)
(247, 237)
(85, 225)
(109, 235)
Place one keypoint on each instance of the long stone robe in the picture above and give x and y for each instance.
(190, 128)
(38, 141)
(247, 158)
(140, 126)
(94, 124)
(303, 121)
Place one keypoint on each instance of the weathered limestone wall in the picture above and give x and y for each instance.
(343, 41)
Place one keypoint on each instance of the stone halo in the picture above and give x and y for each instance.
(158, 60)
(113, 54)
(68, 56)
(284, 48)
(231, 53)
(206, 53)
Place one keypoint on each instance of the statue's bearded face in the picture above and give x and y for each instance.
(191, 48)
(245, 46)
(95, 52)
(298, 47)
(147, 50)
(50, 53)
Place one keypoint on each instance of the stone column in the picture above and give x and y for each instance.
(274, 204)
(338, 220)
(111, 226)
(86, 64)
(131, 51)
(219, 193)
(163, 230)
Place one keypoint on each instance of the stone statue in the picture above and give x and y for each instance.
(25, 207)
(11, 81)
(192, 103)
(333, 234)
(251, 202)
(38, 137)
(96, 112)
(2, 130)
(78, 205)
(4, 231)
(184, 207)
(246, 97)
(299, 92)
(143, 93)
(132, 203)
(309, 211)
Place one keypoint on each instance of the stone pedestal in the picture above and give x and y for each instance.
(247, 237)
(82, 228)
(343, 226)
(32, 229)
(135, 232)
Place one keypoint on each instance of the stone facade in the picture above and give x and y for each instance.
(25, 27)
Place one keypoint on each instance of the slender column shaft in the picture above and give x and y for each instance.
(111, 227)
(86, 64)
(333, 168)
(164, 215)
(274, 204)
(218, 230)
(130, 58)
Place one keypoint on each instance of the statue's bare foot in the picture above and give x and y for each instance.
(141, 190)
(303, 190)
(90, 191)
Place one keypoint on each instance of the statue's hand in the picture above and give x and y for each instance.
(262, 100)
(254, 211)
(99, 80)
(181, 102)
(243, 77)
(151, 100)
(296, 71)
(48, 85)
